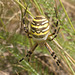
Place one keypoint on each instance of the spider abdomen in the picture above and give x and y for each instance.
(40, 28)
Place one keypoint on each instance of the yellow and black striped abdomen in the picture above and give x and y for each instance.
(40, 27)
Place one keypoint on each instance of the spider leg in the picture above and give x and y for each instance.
(52, 53)
(31, 51)
(55, 34)
(24, 23)
(56, 25)
(56, 30)
(21, 59)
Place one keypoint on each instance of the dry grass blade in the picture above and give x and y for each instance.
(11, 18)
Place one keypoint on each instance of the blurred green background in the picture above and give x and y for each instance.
(14, 43)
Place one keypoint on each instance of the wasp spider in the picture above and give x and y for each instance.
(40, 31)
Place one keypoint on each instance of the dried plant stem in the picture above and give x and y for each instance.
(24, 8)
(67, 15)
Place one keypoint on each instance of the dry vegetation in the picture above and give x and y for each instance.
(14, 43)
